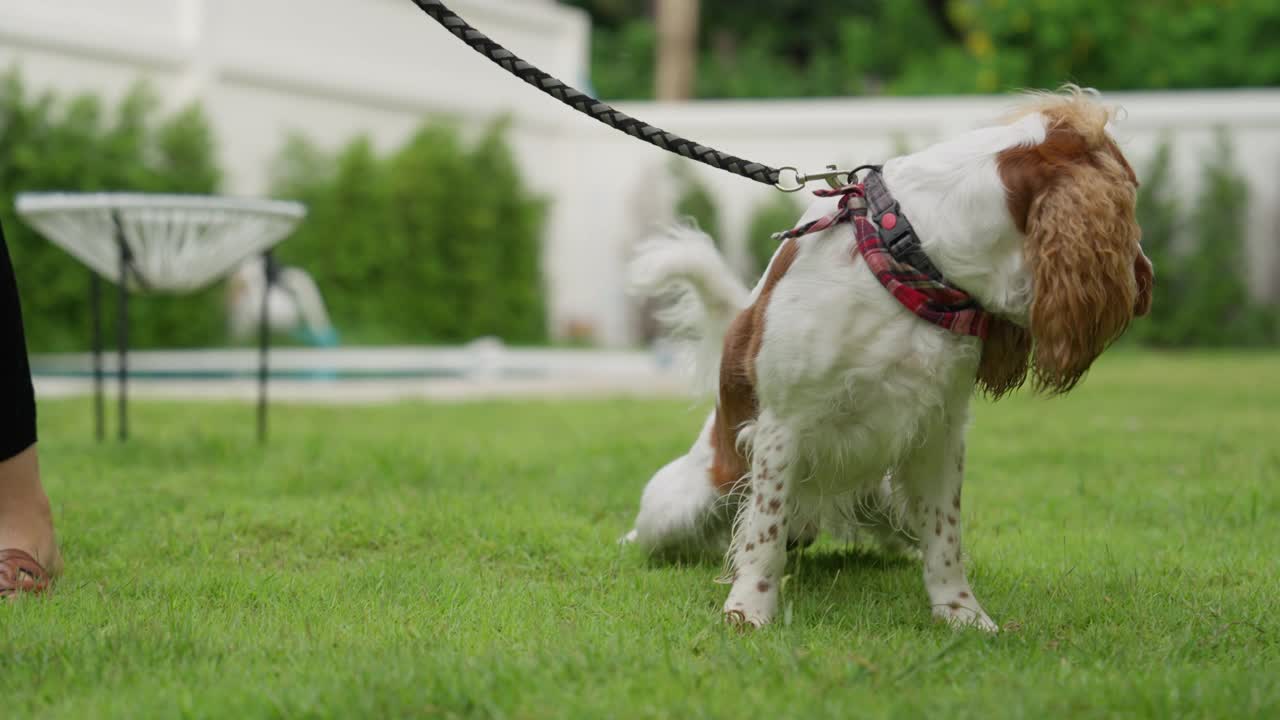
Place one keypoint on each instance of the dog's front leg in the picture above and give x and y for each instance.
(758, 554)
(932, 478)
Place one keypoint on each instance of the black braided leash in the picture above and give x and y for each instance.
(787, 179)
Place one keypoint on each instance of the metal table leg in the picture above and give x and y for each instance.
(122, 339)
(95, 308)
(264, 341)
(122, 330)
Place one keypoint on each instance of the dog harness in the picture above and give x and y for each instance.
(892, 250)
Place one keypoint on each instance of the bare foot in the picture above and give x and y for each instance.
(26, 521)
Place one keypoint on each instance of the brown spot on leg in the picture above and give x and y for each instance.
(750, 547)
(763, 586)
(773, 531)
(778, 487)
(951, 539)
(775, 505)
(963, 594)
(951, 519)
(954, 605)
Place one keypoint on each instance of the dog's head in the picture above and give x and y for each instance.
(1072, 195)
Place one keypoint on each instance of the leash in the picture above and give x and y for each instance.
(786, 179)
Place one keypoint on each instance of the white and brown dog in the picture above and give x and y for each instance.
(839, 407)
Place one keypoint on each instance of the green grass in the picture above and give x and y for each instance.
(421, 560)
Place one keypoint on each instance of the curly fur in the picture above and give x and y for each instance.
(1074, 195)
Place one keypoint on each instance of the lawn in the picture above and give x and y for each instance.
(423, 561)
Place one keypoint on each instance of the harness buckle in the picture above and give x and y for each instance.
(895, 231)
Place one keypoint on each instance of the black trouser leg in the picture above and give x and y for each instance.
(17, 396)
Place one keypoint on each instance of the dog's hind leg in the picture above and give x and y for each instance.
(880, 514)
(758, 554)
(680, 507)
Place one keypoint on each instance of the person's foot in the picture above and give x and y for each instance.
(27, 541)
(21, 575)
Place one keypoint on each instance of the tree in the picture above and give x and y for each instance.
(677, 48)
(800, 48)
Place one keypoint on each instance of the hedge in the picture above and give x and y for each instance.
(1201, 296)
(437, 242)
(779, 214)
(695, 203)
(837, 48)
(50, 145)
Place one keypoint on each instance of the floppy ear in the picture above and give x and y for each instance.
(1006, 357)
(1082, 238)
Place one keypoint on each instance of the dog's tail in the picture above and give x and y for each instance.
(681, 265)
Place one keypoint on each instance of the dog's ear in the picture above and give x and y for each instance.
(1082, 246)
(1006, 357)
(1073, 196)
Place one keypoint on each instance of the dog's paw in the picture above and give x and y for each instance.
(738, 620)
(751, 603)
(958, 616)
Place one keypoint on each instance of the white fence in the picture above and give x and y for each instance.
(333, 69)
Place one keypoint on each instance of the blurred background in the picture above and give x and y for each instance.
(448, 201)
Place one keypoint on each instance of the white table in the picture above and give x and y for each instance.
(160, 244)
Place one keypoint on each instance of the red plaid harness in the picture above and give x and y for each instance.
(894, 254)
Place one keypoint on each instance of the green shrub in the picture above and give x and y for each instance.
(803, 48)
(439, 242)
(1201, 295)
(1218, 309)
(695, 202)
(780, 213)
(76, 146)
(1158, 214)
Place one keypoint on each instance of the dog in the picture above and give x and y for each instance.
(842, 405)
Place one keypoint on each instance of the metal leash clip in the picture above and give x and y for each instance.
(792, 180)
